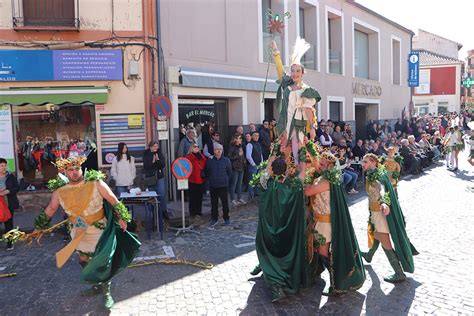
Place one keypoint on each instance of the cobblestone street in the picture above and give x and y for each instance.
(438, 209)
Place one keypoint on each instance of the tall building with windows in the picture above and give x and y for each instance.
(74, 75)
(216, 55)
(440, 74)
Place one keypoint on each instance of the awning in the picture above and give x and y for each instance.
(198, 78)
(56, 95)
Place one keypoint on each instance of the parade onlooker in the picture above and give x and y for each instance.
(325, 138)
(252, 128)
(264, 138)
(320, 130)
(218, 171)
(196, 180)
(273, 130)
(348, 134)
(398, 126)
(253, 153)
(208, 149)
(337, 135)
(349, 176)
(359, 150)
(9, 187)
(237, 159)
(153, 166)
(246, 179)
(410, 160)
(240, 130)
(123, 169)
(186, 142)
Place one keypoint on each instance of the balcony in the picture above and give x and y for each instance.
(45, 15)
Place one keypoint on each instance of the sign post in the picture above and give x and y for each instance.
(414, 69)
(181, 169)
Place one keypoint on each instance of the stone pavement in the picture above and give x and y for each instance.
(438, 211)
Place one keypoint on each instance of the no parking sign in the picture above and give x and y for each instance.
(181, 169)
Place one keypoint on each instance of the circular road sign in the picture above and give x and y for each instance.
(161, 107)
(182, 168)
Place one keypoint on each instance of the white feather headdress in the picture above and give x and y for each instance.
(300, 48)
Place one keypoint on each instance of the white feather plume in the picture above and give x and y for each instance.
(300, 48)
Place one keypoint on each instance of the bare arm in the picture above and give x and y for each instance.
(53, 205)
(277, 58)
(106, 192)
(321, 186)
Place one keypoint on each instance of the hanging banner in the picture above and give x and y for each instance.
(6, 141)
(413, 69)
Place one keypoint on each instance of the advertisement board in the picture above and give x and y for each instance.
(6, 141)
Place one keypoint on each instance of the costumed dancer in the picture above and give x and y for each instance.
(470, 159)
(457, 145)
(386, 221)
(281, 240)
(393, 167)
(98, 222)
(330, 230)
(296, 100)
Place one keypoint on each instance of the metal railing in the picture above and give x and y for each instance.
(45, 13)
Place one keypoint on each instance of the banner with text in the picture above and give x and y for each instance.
(6, 141)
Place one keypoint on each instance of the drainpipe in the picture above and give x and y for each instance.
(410, 104)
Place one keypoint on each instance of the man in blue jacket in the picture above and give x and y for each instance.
(218, 171)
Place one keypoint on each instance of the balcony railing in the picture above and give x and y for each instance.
(45, 14)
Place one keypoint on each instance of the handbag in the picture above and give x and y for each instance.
(151, 181)
(5, 213)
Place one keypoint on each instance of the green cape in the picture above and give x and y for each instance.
(281, 240)
(396, 223)
(113, 253)
(346, 268)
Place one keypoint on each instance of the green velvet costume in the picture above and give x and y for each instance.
(281, 240)
(114, 251)
(345, 263)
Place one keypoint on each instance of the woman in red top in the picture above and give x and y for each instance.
(196, 181)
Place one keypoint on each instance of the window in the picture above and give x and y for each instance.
(45, 13)
(422, 108)
(361, 54)
(308, 29)
(443, 107)
(424, 86)
(366, 50)
(396, 63)
(335, 111)
(44, 133)
(278, 7)
(335, 41)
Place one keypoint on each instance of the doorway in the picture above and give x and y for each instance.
(364, 113)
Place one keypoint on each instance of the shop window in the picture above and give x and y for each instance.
(277, 7)
(335, 42)
(366, 51)
(308, 29)
(47, 132)
(443, 107)
(422, 109)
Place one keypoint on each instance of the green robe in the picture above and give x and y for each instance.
(346, 268)
(281, 240)
(396, 224)
(113, 253)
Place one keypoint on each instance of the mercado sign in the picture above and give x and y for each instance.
(366, 89)
(60, 65)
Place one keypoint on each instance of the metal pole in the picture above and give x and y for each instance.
(182, 209)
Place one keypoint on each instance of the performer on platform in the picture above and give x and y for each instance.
(296, 100)
(98, 222)
(386, 222)
(330, 230)
(393, 167)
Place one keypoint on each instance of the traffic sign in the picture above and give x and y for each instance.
(182, 168)
(161, 107)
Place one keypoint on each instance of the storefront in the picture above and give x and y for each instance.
(74, 104)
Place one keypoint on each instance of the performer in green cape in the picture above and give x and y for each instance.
(386, 222)
(281, 231)
(331, 232)
(98, 230)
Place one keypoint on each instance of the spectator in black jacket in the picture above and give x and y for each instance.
(218, 172)
(359, 150)
(238, 161)
(264, 138)
(9, 187)
(153, 165)
(398, 126)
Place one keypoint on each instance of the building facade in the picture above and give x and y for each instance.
(216, 57)
(440, 77)
(75, 76)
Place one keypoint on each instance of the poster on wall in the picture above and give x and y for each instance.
(6, 141)
(122, 128)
